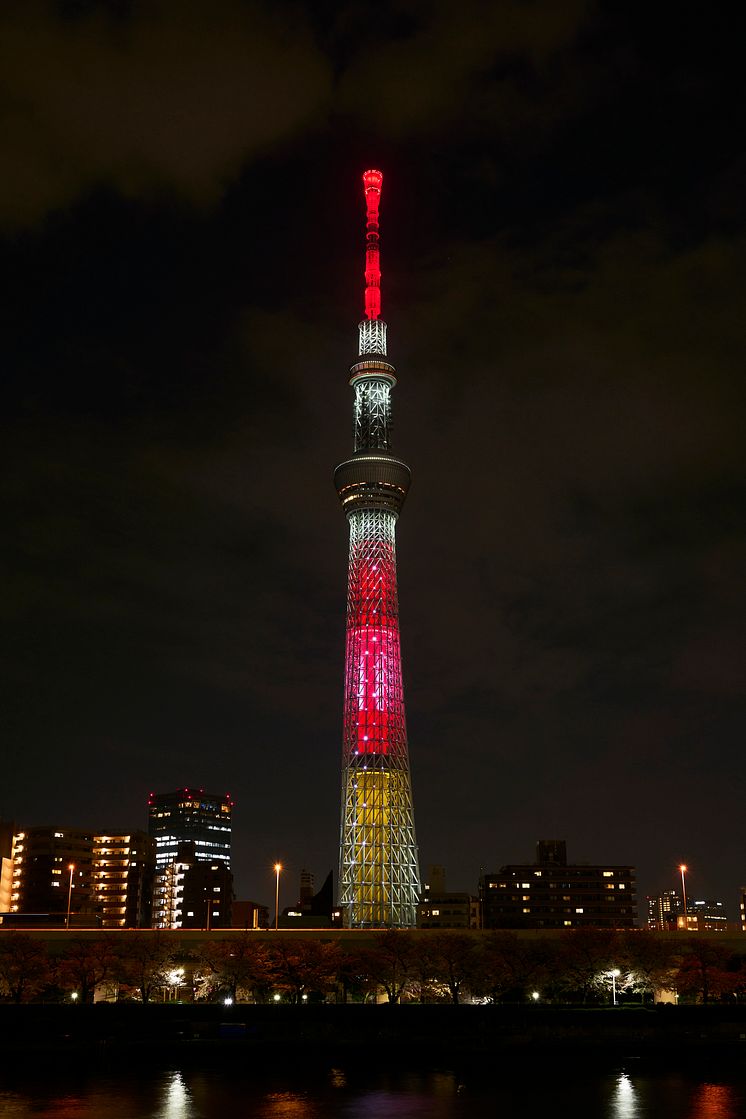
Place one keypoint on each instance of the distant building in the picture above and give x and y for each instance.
(105, 880)
(190, 816)
(192, 893)
(703, 916)
(554, 894)
(249, 915)
(664, 910)
(440, 909)
(313, 910)
(52, 865)
(7, 830)
(123, 869)
(742, 908)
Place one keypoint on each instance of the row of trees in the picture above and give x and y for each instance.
(494, 967)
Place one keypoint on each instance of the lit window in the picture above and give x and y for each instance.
(567, 922)
(525, 885)
(527, 910)
(579, 911)
(436, 913)
(608, 873)
(526, 897)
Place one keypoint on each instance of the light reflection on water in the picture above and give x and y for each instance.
(624, 1102)
(715, 1101)
(336, 1093)
(177, 1100)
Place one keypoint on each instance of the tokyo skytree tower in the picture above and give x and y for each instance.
(379, 878)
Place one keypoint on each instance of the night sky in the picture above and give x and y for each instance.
(181, 235)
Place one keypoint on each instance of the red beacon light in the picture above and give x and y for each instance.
(372, 183)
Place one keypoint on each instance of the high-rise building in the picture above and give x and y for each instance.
(190, 816)
(123, 870)
(379, 878)
(193, 893)
(664, 910)
(52, 871)
(68, 873)
(554, 894)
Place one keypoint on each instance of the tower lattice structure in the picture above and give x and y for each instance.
(379, 878)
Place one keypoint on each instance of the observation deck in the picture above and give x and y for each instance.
(372, 480)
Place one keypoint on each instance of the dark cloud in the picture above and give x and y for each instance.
(563, 262)
(164, 96)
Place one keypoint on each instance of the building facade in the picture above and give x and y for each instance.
(664, 911)
(379, 878)
(439, 908)
(123, 869)
(79, 877)
(190, 815)
(53, 872)
(554, 894)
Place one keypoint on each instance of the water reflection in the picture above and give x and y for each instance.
(624, 1102)
(714, 1101)
(176, 1100)
(287, 1105)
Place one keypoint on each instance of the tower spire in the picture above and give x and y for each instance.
(372, 183)
(379, 878)
(372, 329)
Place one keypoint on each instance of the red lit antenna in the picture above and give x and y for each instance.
(372, 182)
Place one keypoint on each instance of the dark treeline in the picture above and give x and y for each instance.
(580, 967)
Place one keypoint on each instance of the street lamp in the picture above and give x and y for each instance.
(614, 975)
(71, 868)
(683, 868)
(278, 868)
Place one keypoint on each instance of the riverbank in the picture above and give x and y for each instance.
(115, 1033)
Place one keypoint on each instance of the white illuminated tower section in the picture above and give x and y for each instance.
(379, 878)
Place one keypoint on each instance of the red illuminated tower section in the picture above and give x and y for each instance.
(379, 878)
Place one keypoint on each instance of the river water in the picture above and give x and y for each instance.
(224, 1092)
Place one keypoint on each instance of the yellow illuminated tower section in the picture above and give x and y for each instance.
(379, 878)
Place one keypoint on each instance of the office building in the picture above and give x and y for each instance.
(554, 894)
(190, 815)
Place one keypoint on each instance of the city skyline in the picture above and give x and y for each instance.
(564, 260)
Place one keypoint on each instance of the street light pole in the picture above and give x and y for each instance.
(614, 975)
(683, 868)
(278, 868)
(71, 868)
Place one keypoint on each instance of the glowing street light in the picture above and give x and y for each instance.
(535, 996)
(683, 868)
(615, 973)
(71, 868)
(278, 868)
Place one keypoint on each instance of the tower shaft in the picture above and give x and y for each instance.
(379, 874)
